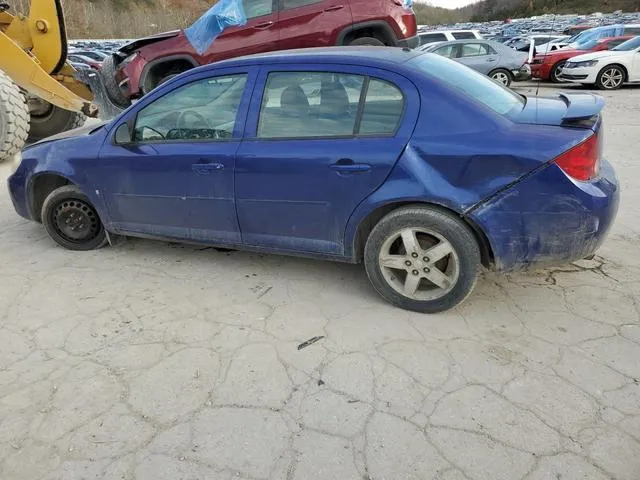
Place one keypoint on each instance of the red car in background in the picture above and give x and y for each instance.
(549, 65)
(139, 67)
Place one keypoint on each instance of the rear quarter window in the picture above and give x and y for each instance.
(474, 85)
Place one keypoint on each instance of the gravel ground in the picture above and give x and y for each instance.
(159, 361)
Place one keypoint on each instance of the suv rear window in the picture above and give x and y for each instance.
(432, 37)
(471, 83)
(463, 35)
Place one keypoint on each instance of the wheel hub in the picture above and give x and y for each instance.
(419, 264)
(76, 221)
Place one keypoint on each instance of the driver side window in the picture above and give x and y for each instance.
(205, 110)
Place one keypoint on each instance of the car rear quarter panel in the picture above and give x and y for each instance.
(460, 155)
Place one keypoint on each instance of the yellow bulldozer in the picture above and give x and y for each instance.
(41, 94)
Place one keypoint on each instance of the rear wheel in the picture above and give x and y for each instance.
(422, 259)
(554, 76)
(14, 118)
(71, 220)
(611, 78)
(366, 42)
(501, 76)
(48, 119)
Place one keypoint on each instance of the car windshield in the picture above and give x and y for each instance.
(628, 45)
(471, 83)
(588, 45)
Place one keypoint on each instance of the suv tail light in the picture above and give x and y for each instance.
(582, 161)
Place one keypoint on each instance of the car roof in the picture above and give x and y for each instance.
(369, 56)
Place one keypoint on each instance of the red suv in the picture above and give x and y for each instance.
(139, 67)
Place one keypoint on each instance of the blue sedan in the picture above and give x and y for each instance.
(410, 163)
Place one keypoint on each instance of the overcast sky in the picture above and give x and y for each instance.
(450, 3)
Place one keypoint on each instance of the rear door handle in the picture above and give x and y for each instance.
(263, 26)
(334, 8)
(350, 167)
(207, 168)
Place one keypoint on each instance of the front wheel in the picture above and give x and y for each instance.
(556, 71)
(422, 259)
(610, 78)
(501, 76)
(71, 220)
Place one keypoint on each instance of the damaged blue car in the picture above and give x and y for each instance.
(416, 166)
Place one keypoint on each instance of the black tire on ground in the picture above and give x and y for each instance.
(53, 120)
(555, 72)
(611, 77)
(502, 76)
(14, 118)
(366, 42)
(108, 75)
(71, 221)
(456, 233)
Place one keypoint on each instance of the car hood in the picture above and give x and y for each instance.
(84, 131)
(597, 56)
(565, 109)
(141, 42)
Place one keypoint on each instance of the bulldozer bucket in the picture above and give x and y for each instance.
(25, 70)
(106, 108)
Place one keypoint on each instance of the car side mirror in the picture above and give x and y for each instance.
(123, 135)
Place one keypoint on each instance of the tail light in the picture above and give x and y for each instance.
(582, 161)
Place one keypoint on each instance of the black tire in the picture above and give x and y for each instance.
(68, 204)
(53, 120)
(555, 72)
(366, 42)
(459, 237)
(14, 118)
(502, 76)
(108, 75)
(611, 71)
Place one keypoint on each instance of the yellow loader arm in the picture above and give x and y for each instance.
(34, 50)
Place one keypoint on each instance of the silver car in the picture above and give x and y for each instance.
(501, 63)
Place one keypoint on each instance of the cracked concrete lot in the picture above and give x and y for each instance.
(156, 361)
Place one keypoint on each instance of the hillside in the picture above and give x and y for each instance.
(124, 18)
(502, 9)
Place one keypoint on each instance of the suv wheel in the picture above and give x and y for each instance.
(422, 259)
(366, 42)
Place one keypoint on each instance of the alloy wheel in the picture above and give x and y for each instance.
(501, 77)
(612, 78)
(419, 264)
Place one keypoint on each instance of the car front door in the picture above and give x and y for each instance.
(260, 34)
(175, 177)
(318, 142)
(311, 23)
(479, 56)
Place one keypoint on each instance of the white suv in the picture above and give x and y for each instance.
(437, 36)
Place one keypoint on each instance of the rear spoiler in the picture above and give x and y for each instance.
(583, 109)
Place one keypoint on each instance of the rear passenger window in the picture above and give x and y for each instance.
(383, 109)
(257, 8)
(310, 104)
(289, 4)
(463, 35)
(326, 105)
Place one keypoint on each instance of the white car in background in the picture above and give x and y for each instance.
(608, 70)
(437, 36)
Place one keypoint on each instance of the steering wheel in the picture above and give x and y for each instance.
(199, 117)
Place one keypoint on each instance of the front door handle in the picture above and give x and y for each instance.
(348, 166)
(263, 26)
(207, 168)
(335, 8)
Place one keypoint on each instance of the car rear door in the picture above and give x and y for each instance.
(259, 35)
(312, 23)
(314, 149)
(479, 56)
